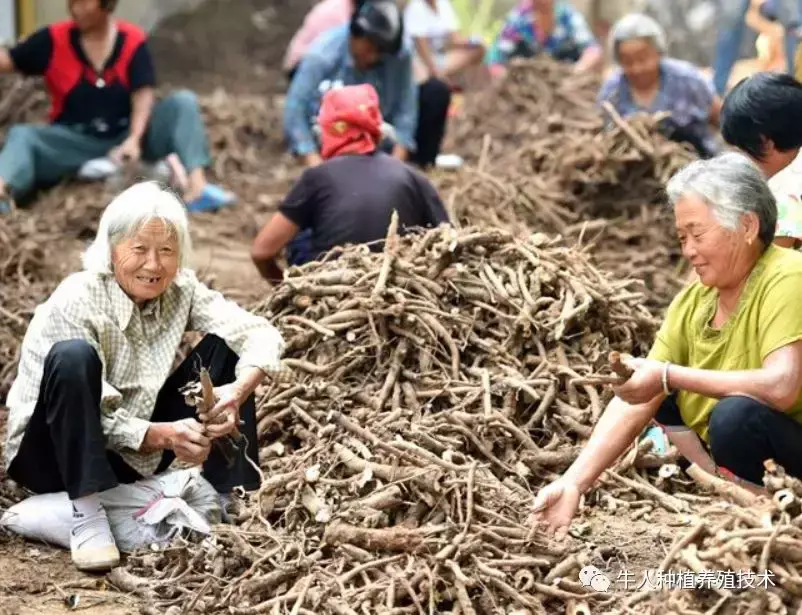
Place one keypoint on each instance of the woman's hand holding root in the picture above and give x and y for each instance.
(223, 419)
(185, 438)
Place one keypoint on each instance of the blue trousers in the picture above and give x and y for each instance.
(42, 155)
(299, 250)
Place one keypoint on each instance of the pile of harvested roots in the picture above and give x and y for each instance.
(28, 273)
(536, 98)
(428, 391)
(21, 100)
(740, 555)
(553, 161)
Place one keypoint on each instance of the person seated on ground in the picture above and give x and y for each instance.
(371, 49)
(349, 198)
(94, 404)
(546, 26)
(442, 51)
(324, 16)
(99, 74)
(760, 117)
(725, 364)
(647, 81)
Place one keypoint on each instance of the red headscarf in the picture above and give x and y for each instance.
(350, 121)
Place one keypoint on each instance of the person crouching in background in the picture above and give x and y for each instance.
(372, 49)
(649, 82)
(350, 197)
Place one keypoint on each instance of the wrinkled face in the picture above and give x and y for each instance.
(364, 53)
(87, 13)
(640, 62)
(716, 253)
(146, 264)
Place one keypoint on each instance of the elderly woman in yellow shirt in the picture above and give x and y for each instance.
(725, 373)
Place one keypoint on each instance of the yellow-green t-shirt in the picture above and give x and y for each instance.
(768, 317)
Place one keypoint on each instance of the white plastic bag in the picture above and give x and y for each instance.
(151, 511)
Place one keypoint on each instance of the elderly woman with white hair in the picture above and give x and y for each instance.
(647, 81)
(724, 376)
(94, 403)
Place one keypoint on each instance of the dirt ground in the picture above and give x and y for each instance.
(233, 44)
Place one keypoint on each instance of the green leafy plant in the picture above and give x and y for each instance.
(478, 18)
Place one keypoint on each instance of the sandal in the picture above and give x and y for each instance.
(213, 198)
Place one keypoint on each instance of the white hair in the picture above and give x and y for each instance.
(731, 185)
(128, 213)
(637, 26)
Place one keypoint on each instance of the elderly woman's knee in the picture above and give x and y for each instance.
(71, 357)
(732, 419)
(21, 134)
(183, 100)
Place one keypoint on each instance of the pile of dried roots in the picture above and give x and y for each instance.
(740, 555)
(429, 390)
(21, 100)
(536, 98)
(28, 273)
(552, 161)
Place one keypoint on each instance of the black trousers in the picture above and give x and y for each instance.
(434, 99)
(744, 433)
(64, 449)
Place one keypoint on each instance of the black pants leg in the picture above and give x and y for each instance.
(434, 99)
(221, 361)
(744, 433)
(63, 447)
(668, 415)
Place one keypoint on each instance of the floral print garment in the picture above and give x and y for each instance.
(787, 189)
(521, 36)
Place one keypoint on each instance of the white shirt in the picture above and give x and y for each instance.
(421, 21)
(137, 348)
(786, 186)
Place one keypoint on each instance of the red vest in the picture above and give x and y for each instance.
(66, 71)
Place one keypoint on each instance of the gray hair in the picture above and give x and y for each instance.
(637, 26)
(731, 185)
(128, 213)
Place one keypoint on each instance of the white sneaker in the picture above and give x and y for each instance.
(450, 162)
(92, 543)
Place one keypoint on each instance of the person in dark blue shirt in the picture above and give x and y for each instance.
(349, 198)
(372, 50)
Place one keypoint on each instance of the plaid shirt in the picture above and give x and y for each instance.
(521, 35)
(137, 348)
(685, 93)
